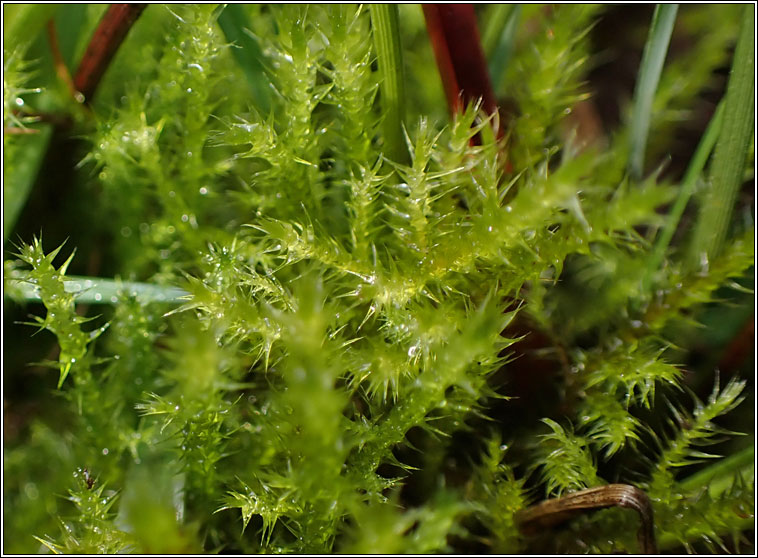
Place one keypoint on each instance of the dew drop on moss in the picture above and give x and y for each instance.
(31, 491)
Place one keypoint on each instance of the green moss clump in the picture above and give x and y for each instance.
(337, 371)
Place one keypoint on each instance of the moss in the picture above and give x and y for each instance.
(341, 310)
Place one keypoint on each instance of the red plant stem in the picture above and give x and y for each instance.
(457, 47)
(60, 65)
(109, 35)
(739, 348)
(463, 68)
(15, 130)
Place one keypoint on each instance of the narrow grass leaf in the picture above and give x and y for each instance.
(694, 170)
(647, 82)
(731, 150)
(501, 53)
(22, 22)
(386, 29)
(248, 54)
(20, 173)
(95, 290)
(719, 476)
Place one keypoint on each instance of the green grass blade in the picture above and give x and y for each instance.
(94, 290)
(719, 476)
(22, 163)
(731, 149)
(501, 53)
(495, 19)
(647, 82)
(247, 53)
(694, 170)
(22, 22)
(386, 29)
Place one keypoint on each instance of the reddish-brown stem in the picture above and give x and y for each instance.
(60, 66)
(462, 65)
(109, 35)
(457, 47)
(17, 131)
(739, 348)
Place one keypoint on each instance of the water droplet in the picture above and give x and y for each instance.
(31, 490)
(98, 296)
(105, 451)
(203, 191)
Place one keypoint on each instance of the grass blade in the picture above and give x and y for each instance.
(23, 158)
(501, 52)
(248, 54)
(95, 290)
(494, 21)
(719, 476)
(386, 28)
(694, 171)
(22, 22)
(731, 149)
(647, 82)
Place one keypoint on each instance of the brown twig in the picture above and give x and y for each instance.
(109, 35)
(558, 510)
(60, 66)
(17, 131)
